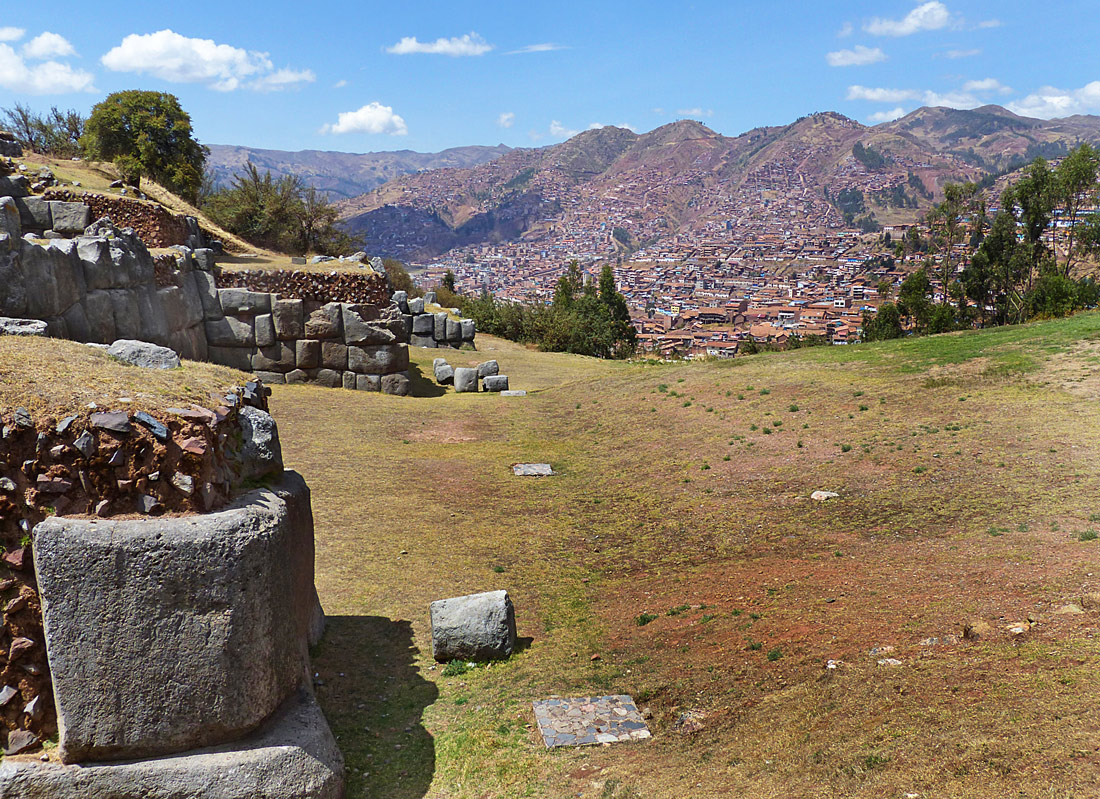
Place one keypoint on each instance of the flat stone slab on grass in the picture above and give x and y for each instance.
(532, 470)
(589, 720)
(514, 393)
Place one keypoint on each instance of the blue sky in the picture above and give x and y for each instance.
(425, 76)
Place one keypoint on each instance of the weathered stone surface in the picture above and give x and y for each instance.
(429, 298)
(264, 330)
(439, 329)
(334, 355)
(401, 299)
(495, 383)
(289, 319)
(513, 393)
(297, 376)
(396, 384)
(233, 357)
(465, 379)
(468, 329)
(380, 360)
(21, 327)
(308, 353)
(424, 325)
(69, 218)
(363, 325)
(427, 342)
(208, 292)
(293, 756)
(261, 451)
(143, 354)
(279, 357)
(14, 186)
(444, 372)
(243, 301)
(416, 305)
(349, 380)
(9, 218)
(532, 470)
(368, 383)
(454, 330)
(488, 368)
(34, 213)
(588, 720)
(230, 331)
(325, 322)
(271, 378)
(112, 421)
(823, 496)
(329, 377)
(475, 627)
(191, 630)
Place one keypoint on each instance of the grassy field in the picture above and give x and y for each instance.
(678, 558)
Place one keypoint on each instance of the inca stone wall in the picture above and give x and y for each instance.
(434, 330)
(360, 288)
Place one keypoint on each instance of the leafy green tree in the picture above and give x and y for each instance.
(146, 134)
(915, 300)
(399, 277)
(1077, 187)
(1032, 201)
(57, 133)
(948, 223)
(448, 281)
(884, 325)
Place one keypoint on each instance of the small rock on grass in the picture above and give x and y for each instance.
(823, 496)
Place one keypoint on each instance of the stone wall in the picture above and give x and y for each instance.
(433, 329)
(9, 147)
(100, 286)
(361, 288)
(335, 344)
(153, 224)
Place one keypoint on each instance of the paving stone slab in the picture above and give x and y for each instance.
(532, 470)
(513, 393)
(588, 720)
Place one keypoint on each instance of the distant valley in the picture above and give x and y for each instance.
(610, 191)
(342, 175)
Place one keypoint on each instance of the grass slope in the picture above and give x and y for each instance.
(968, 470)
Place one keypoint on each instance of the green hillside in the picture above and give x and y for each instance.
(969, 480)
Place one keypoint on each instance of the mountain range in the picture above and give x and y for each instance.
(341, 175)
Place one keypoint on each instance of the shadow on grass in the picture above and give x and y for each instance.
(374, 698)
(420, 385)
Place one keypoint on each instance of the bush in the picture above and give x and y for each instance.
(645, 618)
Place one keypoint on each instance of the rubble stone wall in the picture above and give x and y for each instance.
(366, 288)
(154, 224)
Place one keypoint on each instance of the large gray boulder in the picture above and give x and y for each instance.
(465, 379)
(69, 218)
(293, 756)
(443, 371)
(439, 329)
(475, 627)
(170, 634)
(9, 218)
(144, 354)
(468, 329)
(34, 213)
(22, 327)
(488, 368)
(496, 383)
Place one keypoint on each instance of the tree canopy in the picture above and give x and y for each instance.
(146, 134)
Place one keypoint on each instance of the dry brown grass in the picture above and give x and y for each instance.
(56, 378)
(969, 475)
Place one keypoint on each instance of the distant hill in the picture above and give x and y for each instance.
(342, 175)
(684, 176)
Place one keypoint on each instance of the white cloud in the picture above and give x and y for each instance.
(48, 45)
(507, 119)
(469, 44)
(695, 112)
(1050, 103)
(627, 125)
(372, 118)
(926, 17)
(559, 130)
(845, 30)
(887, 116)
(990, 23)
(10, 34)
(858, 56)
(282, 79)
(986, 85)
(544, 47)
(962, 53)
(169, 56)
(954, 99)
(882, 95)
(340, 84)
(659, 111)
(47, 77)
